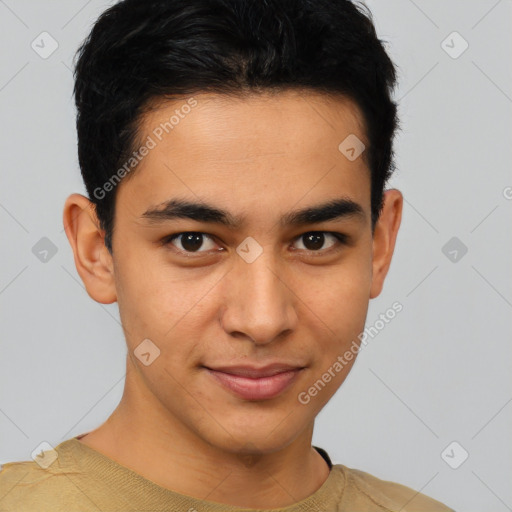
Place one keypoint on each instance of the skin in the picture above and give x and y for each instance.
(261, 156)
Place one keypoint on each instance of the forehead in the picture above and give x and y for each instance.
(240, 151)
(255, 117)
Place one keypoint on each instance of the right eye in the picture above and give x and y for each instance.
(190, 241)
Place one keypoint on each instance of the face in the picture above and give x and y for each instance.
(246, 308)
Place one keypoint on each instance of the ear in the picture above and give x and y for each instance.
(384, 238)
(93, 261)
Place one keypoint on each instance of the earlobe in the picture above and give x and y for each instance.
(384, 238)
(93, 261)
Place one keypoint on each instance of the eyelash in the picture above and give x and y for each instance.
(341, 238)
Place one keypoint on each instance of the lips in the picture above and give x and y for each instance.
(251, 383)
(254, 372)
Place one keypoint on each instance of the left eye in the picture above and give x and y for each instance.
(192, 241)
(315, 239)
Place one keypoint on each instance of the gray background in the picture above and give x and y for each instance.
(439, 372)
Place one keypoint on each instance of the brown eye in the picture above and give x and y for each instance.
(190, 241)
(314, 240)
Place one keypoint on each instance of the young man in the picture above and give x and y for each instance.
(235, 153)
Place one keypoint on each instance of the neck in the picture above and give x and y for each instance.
(165, 451)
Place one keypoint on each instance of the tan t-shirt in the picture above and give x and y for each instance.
(82, 479)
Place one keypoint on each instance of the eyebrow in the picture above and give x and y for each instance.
(203, 212)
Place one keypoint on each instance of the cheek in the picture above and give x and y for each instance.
(336, 312)
(341, 288)
(142, 295)
(345, 315)
(337, 304)
(158, 301)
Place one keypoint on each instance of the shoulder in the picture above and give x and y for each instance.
(27, 486)
(389, 495)
(21, 483)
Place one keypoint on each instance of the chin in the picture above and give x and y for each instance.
(252, 434)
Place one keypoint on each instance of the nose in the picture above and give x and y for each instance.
(259, 303)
